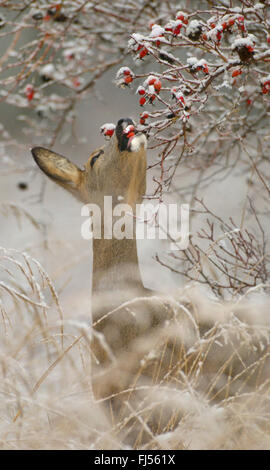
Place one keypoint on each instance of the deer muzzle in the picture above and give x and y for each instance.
(128, 138)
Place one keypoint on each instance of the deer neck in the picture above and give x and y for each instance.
(116, 272)
(116, 275)
(114, 261)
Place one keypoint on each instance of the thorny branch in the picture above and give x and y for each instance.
(201, 84)
(217, 249)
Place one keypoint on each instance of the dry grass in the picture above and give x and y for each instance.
(198, 378)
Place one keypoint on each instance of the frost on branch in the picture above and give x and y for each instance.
(244, 47)
(202, 77)
(194, 30)
(74, 43)
(207, 62)
(198, 74)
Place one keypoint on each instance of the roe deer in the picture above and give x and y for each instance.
(117, 169)
(147, 349)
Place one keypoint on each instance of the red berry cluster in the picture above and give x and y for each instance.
(136, 44)
(226, 25)
(143, 117)
(150, 89)
(196, 65)
(124, 76)
(218, 27)
(186, 92)
(174, 26)
(178, 96)
(240, 23)
(142, 51)
(182, 17)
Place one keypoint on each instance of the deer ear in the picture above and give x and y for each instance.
(58, 168)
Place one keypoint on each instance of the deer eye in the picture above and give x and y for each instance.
(95, 157)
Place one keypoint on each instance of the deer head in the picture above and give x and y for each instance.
(116, 169)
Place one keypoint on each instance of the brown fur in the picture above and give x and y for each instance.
(118, 325)
(116, 174)
(145, 349)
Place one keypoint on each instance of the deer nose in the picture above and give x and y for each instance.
(123, 123)
(125, 131)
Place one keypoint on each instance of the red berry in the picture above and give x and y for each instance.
(241, 20)
(30, 92)
(213, 25)
(30, 95)
(236, 73)
(141, 90)
(157, 86)
(152, 98)
(231, 22)
(144, 115)
(143, 53)
(152, 81)
(130, 134)
(129, 129)
(266, 87)
(204, 36)
(182, 17)
(128, 79)
(268, 39)
(142, 101)
(107, 129)
(248, 101)
(224, 25)
(177, 30)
